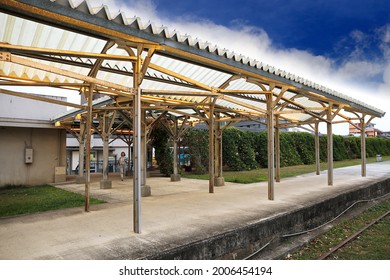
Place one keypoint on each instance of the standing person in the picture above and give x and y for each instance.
(122, 164)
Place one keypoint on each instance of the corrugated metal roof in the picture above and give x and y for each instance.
(18, 31)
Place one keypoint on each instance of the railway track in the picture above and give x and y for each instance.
(257, 253)
(352, 237)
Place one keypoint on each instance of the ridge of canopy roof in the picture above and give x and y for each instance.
(101, 16)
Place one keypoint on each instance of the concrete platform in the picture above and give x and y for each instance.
(176, 215)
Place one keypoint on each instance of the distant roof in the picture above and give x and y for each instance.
(183, 71)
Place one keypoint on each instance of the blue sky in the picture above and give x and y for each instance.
(317, 26)
(341, 44)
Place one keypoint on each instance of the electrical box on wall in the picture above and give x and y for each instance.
(28, 155)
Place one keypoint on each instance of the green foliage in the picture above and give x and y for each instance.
(289, 155)
(160, 141)
(244, 150)
(304, 145)
(339, 150)
(238, 149)
(198, 145)
(260, 147)
(376, 146)
(323, 148)
(352, 145)
(230, 149)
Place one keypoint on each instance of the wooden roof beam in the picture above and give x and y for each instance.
(40, 98)
(56, 52)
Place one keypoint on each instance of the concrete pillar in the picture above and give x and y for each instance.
(271, 148)
(317, 148)
(330, 149)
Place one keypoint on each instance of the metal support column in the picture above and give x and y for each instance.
(137, 143)
(137, 162)
(271, 147)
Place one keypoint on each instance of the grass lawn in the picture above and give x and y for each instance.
(372, 244)
(260, 175)
(17, 200)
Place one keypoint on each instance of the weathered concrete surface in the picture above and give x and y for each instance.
(178, 215)
(105, 184)
(175, 177)
(219, 181)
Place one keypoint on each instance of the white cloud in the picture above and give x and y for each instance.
(354, 77)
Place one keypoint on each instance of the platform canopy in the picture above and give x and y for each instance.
(179, 72)
(126, 62)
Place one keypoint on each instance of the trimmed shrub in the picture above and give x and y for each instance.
(260, 147)
(230, 154)
(305, 146)
(198, 145)
(288, 153)
(238, 149)
(352, 145)
(160, 141)
(246, 150)
(339, 150)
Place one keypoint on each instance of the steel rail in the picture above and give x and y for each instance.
(352, 237)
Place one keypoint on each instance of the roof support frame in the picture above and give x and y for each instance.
(40, 98)
(27, 50)
(37, 65)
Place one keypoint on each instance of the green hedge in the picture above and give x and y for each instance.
(244, 150)
(160, 141)
(197, 142)
(304, 145)
(238, 149)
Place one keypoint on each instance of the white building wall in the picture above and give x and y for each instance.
(22, 108)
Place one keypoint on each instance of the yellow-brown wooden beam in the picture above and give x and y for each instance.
(27, 49)
(40, 98)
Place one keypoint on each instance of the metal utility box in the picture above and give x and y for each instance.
(28, 152)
